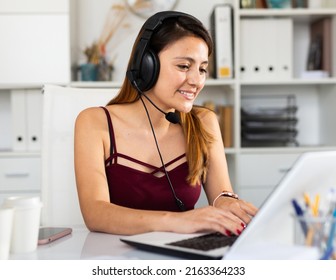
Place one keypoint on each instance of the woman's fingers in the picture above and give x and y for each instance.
(239, 211)
(215, 219)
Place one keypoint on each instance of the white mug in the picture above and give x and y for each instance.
(6, 224)
(26, 222)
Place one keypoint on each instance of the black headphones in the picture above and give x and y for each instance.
(145, 67)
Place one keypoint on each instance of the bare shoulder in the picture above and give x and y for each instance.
(90, 117)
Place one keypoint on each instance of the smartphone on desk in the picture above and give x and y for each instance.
(50, 234)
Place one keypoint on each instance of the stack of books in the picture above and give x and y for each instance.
(319, 64)
(269, 125)
(225, 119)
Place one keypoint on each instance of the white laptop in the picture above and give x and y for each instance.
(270, 235)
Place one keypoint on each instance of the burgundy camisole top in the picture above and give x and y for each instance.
(137, 189)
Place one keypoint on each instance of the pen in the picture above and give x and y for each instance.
(332, 231)
(299, 212)
(310, 237)
(315, 211)
(327, 254)
(307, 200)
(315, 208)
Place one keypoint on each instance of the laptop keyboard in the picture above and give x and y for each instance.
(206, 242)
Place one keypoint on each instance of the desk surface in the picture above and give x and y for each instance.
(83, 244)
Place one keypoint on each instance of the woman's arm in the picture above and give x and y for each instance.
(218, 179)
(91, 138)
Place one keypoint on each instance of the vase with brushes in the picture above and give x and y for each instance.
(98, 67)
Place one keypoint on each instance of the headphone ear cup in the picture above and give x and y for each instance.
(149, 70)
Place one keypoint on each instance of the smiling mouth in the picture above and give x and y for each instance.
(189, 95)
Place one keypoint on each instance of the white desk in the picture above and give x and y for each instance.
(100, 248)
(83, 244)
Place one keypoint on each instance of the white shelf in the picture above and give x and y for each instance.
(220, 82)
(286, 150)
(325, 81)
(19, 86)
(116, 84)
(297, 14)
(111, 84)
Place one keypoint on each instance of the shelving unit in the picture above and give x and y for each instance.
(315, 97)
(256, 171)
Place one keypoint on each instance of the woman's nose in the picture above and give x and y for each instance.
(195, 78)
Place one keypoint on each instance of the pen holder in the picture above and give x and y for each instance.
(318, 232)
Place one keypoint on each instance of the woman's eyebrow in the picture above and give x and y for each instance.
(190, 59)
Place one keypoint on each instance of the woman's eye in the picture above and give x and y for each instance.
(184, 67)
(203, 70)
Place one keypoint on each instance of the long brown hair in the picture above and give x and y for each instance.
(198, 139)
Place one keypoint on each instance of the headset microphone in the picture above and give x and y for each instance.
(172, 117)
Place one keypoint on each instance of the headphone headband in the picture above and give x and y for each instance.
(157, 19)
(145, 66)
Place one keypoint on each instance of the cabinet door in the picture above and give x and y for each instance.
(20, 174)
(258, 174)
(37, 48)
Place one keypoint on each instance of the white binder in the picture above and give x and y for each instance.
(34, 103)
(5, 119)
(266, 49)
(18, 120)
(222, 33)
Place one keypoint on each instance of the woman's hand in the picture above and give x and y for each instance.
(230, 217)
(240, 212)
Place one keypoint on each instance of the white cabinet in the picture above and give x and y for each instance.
(19, 175)
(35, 49)
(37, 36)
(258, 174)
(20, 142)
(255, 170)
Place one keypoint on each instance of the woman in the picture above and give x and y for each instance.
(137, 171)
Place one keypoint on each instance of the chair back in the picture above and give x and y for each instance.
(61, 105)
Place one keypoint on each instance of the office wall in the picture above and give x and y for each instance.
(91, 16)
